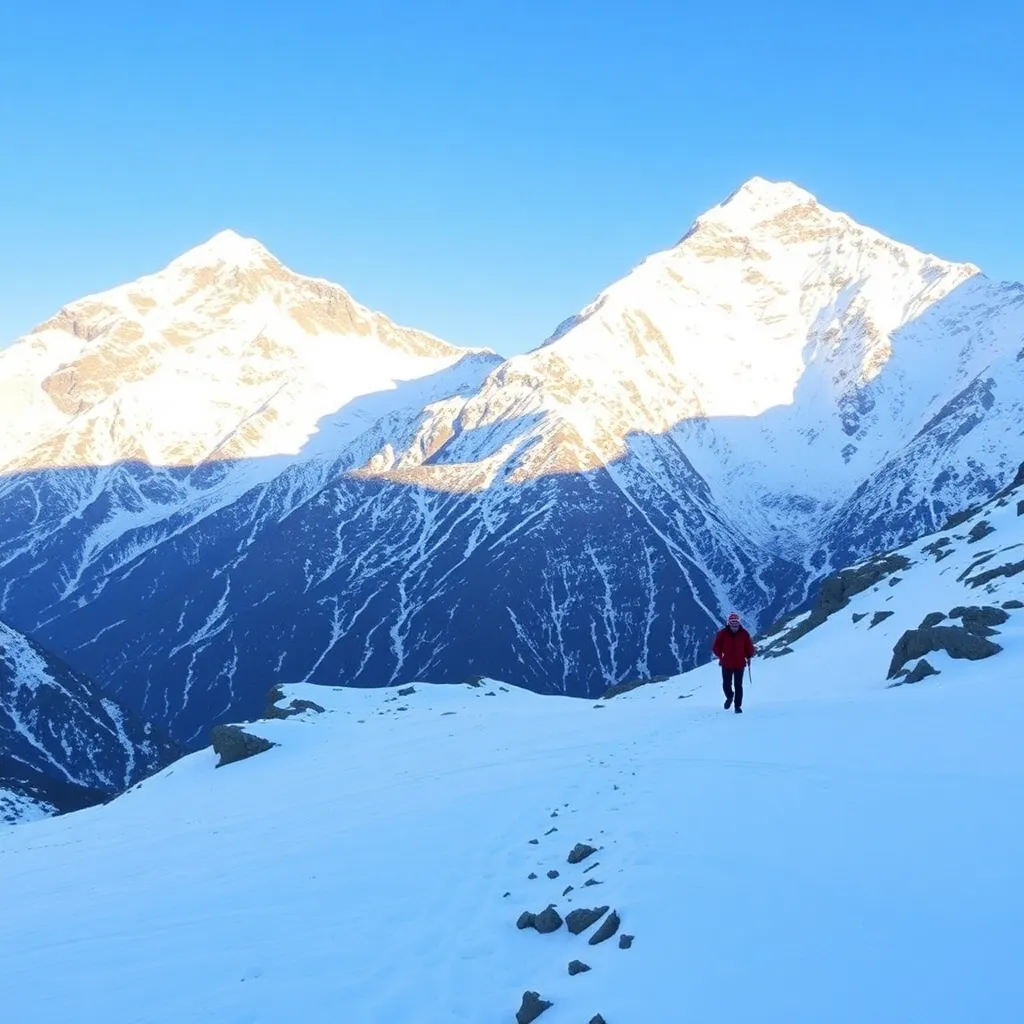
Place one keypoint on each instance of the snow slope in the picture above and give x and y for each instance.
(326, 497)
(63, 743)
(842, 852)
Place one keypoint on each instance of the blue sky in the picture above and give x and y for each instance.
(482, 170)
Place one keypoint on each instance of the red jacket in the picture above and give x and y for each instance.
(733, 649)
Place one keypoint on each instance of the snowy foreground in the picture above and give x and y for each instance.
(853, 857)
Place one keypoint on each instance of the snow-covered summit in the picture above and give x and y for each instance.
(228, 247)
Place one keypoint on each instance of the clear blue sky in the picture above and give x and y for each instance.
(482, 170)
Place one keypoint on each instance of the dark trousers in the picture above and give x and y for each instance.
(732, 684)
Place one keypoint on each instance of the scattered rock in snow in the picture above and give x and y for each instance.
(596, 864)
(625, 941)
(922, 670)
(597, 1019)
(547, 921)
(959, 518)
(893, 580)
(1020, 508)
(554, 828)
(956, 641)
(879, 617)
(552, 873)
(632, 684)
(979, 620)
(1009, 569)
(526, 920)
(978, 531)
(531, 876)
(580, 852)
(534, 842)
(857, 616)
(580, 920)
(532, 1007)
(443, 713)
(609, 926)
(939, 549)
(931, 619)
(567, 890)
(407, 691)
(232, 743)
(577, 967)
(1012, 605)
(296, 706)
(591, 881)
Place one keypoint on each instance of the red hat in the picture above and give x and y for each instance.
(734, 619)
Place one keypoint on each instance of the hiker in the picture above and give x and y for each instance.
(733, 648)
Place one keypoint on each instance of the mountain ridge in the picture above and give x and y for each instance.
(773, 398)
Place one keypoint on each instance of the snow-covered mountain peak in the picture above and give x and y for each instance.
(226, 247)
(758, 200)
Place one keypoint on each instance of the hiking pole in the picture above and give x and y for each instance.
(750, 671)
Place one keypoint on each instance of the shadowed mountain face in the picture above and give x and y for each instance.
(63, 744)
(226, 476)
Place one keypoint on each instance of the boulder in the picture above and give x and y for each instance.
(625, 941)
(857, 616)
(609, 926)
(979, 531)
(980, 620)
(232, 743)
(922, 670)
(532, 1007)
(577, 967)
(547, 921)
(296, 706)
(552, 873)
(406, 691)
(526, 920)
(931, 619)
(597, 1019)
(879, 617)
(580, 852)
(578, 921)
(956, 641)
(1013, 605)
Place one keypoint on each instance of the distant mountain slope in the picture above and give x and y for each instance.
(63, 745)
(228, 475)
(912, 613)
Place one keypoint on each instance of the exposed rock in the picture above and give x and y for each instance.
(531, 876)
(609, 926)
(534, 842)
(956, 641)
(625, 941)
(632, 684)
(577, 967)
(526, 920)
(879, 617)
(547, 921)
(836, 592)
(232, 743)
(961, 517)
(1020, 508)
(1009, 569)
(552, 873)
(581, 851)
(931, 619)
(939, 549)
(597, 1019)
(857, 616)
(532, 1007)
(893, 580)
(922, 670)
(295, 707)
(568, 889)
(554, 828)
(1012, 605)
(979, 530)
(580, 920)
(591, 881)
(596, 864)
(980, 620)
(406, 691)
